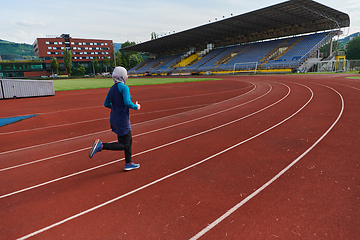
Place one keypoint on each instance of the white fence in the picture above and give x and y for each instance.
(338, 66)
(333, 66)
(13, 88)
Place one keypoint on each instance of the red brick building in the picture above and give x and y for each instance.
(84, 51)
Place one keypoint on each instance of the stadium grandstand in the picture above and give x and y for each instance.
(285, 37)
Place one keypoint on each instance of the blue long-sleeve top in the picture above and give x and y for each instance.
(119, 101)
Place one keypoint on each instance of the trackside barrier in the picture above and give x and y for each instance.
(14, 88)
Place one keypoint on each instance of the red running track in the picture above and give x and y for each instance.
(247, 157)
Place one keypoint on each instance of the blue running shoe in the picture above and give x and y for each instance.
(96, 147)
(131, 166)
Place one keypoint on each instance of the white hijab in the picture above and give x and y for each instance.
(119, 75)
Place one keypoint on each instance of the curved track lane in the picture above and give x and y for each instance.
(245, 158)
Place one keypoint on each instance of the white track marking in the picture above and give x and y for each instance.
(143, 152)
(49, 143)
(237, 206)
(100, 119)
(161, 179)
(198, 95)
(54, 126)
(347, 86)
(141, 134)
(45, 159)
(108, 130)
(134, 114)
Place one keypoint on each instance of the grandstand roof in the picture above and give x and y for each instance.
(285, 19)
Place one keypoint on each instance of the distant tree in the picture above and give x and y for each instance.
(125, 55)
(55, 65)
(81, 70)
(129, 59)
(326, 48)
(68, 60)
(117, 59)
(134, 60)
(154, 36)
(353, 49)
(96, 65)
(106, 62)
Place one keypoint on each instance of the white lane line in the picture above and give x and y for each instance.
(347, 86)
(54, 126)
(58, 141)
(108, 130)
(134, 114)
(198, 95)
(164, 99)
(100, 119)
(159, 180)
(141, 134)
(143, 152)
(237, 206)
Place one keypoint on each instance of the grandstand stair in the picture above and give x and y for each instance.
(292, 45)
(140, 65)
(156, 65)
(231, 55)
(273, 52)
(186, 61)
(193, 62)
(276, 52)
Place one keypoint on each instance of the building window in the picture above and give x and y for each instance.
(49, 53)
(49, 47)
(47, 42)
(106, 44)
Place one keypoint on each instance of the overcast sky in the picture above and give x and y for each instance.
(23, 21)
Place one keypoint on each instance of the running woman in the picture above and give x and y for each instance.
(119, 101)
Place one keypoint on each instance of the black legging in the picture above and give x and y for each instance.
(124, 143)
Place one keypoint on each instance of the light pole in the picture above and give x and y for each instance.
(114, 55)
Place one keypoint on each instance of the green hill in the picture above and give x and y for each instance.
(16, 51)
(345, 40)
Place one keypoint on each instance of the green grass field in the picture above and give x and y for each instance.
(91, 83)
